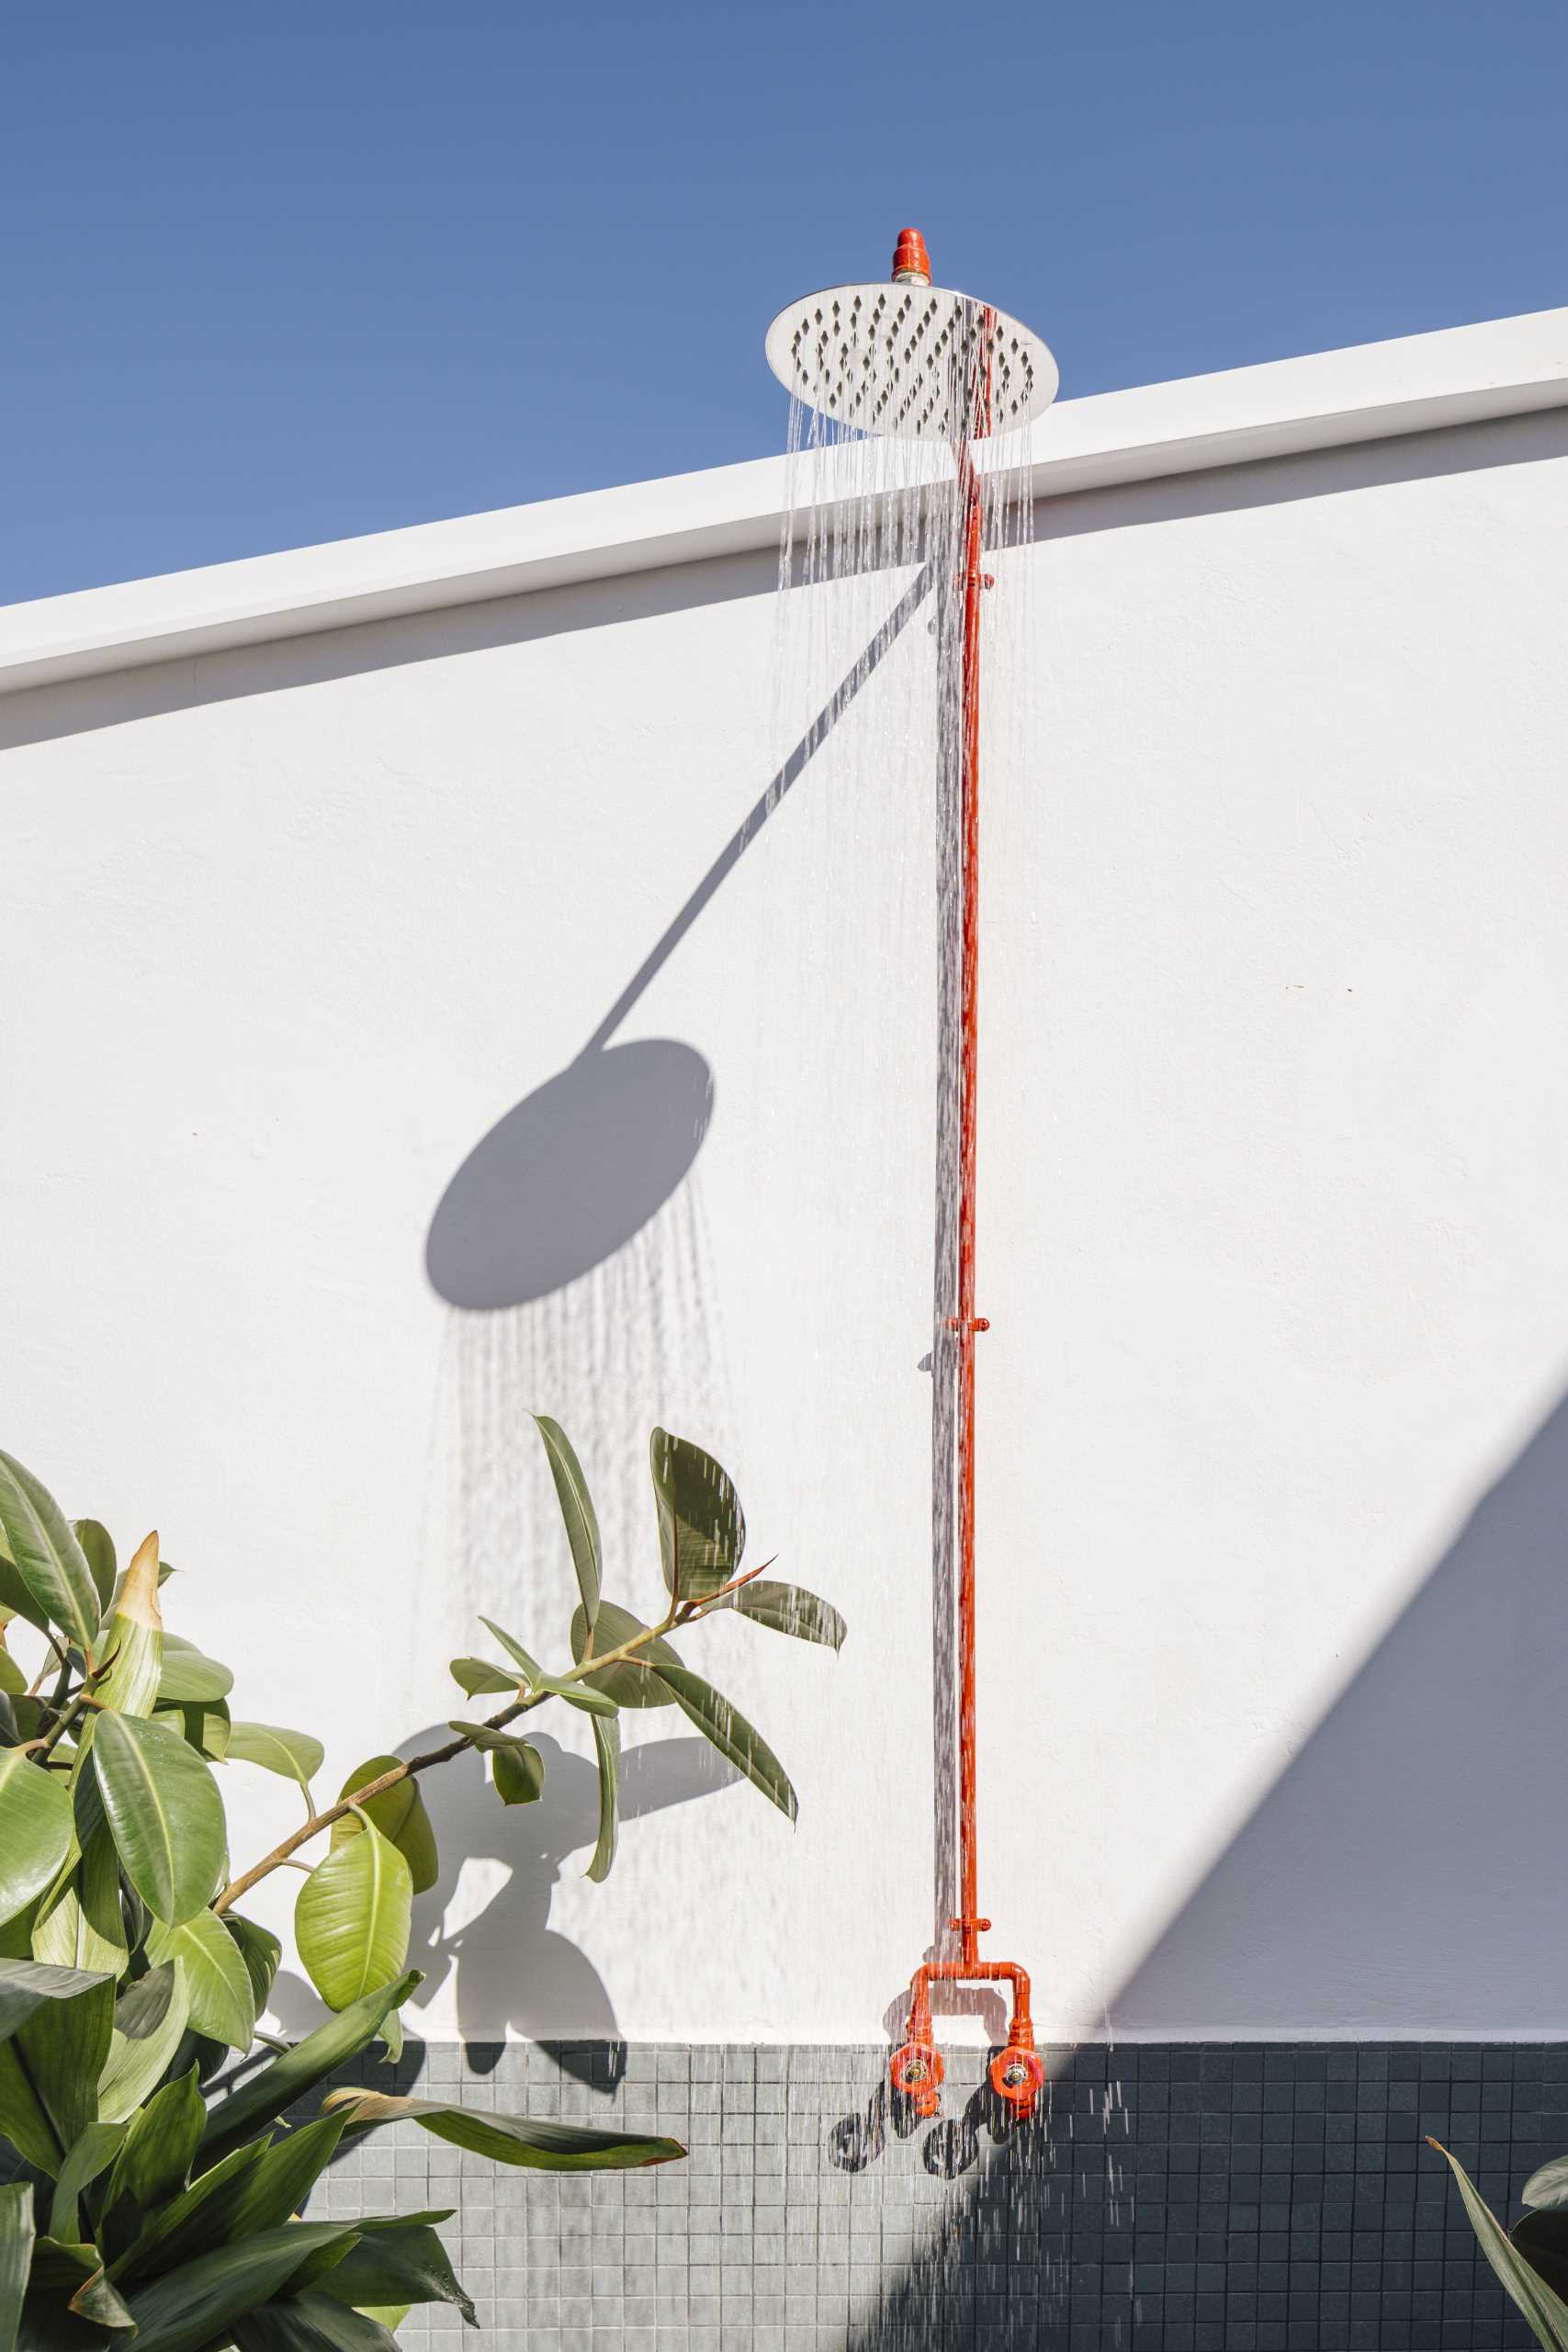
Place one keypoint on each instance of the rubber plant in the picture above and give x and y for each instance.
(1530, 2259)
(160, 2186)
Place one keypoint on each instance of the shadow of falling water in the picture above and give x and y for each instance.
(634, 1340)
(987, 2235)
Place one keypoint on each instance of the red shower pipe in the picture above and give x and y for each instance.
(1017, 2073)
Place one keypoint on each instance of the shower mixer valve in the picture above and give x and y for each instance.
(1017, 2070)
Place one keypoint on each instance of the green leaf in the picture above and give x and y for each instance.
(49, 2073)
(507, 2139)
(578, 1695)
(576, 1510)
(161, 2145)
(702, 1531)
(202, 1725)
(95, 2300)
(532, 1671)
(15, 1935)
(71, 2275)
(16, 2234)
(628, 1683)
(388, 1810)
(608, 1744)
(194, 2222)
(294, 1754)
(13, 1682)
(260, 1950)
(198, 2303)
(1548, 2185)
(311, 2323)
(217, 1982)
(1546, 2312)
(133, 1638)
(396, 2262)
(518, 1772)
(60, 2267)
(47, 1555)
(415, 1841)
(165, 1570)
(166, 1813)
(97, 1550)
(479, 1679)
(15, 1600)
(24, 1984)
(91, 2153)
(485, 1737)
(733, 1737)
(265, 2195)
(20, 1719)
(149, 2022)
(1541, 2236)
(399, 1814)
(274, 2088)
(79, 1923)
(35, 1829)
(353, 1918)
(790, 1608)
(189, 1676)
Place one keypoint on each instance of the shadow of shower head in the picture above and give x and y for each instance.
(569, 1174)
(901, 359)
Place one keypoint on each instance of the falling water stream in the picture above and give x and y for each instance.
(979, 2211)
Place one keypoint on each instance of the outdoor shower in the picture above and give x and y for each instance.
(915, 362)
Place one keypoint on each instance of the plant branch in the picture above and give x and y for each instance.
(680, 1614)
(79, 1704)
(37, 1682)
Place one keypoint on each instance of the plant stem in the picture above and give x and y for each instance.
(680, 1614)
(356, 1797)
(37, 1682)
(83, 1699)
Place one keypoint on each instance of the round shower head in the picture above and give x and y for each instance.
(905, 360)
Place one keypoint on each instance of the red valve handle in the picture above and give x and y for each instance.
(1018, 2078)
(917, 2071)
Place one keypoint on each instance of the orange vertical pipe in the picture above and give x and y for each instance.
(1017, 2073)
(968, 1923)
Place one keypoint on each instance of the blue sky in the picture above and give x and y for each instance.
(286, 273)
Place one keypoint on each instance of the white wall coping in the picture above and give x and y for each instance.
(1373, 391)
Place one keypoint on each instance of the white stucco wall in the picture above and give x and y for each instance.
(1275, 1156)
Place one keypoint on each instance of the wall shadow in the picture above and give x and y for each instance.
(74, 706)
(80, 705)
(509, 1970)
(1531, 439)
(1421, 1818)
(567, 1175)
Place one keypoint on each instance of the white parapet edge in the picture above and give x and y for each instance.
(1371, 391)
